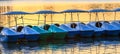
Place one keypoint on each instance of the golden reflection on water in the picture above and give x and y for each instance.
(108, 47)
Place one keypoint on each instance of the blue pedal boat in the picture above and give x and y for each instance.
(79, 29)
(83, 30)
(9, 35)
(30, 34)
(110, 30)
(98, 31)
(57, 32)
(44, 34)
(71, 32)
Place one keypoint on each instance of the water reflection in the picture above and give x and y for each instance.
(61, 47)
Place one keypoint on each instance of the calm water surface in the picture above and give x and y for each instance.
(62, 47)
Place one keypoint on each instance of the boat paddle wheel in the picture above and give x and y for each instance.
(107, 22)
(83, 23)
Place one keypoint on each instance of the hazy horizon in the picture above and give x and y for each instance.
(63, 0)
(10, 2)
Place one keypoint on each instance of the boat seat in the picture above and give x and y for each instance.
(98, 24)
(82, 23)
(19, 28)
(106, 22)
(29, 26)
(46, 27)
(1, 28)
(73, 25)
(58, 25)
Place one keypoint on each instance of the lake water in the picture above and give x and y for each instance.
(62, 47)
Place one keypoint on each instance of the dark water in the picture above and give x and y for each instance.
(86, 46)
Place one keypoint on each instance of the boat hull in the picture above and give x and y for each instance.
(10, 38)
(72, 34)
(86, 33)
(32, 37)
(44, 36)
(99, 33)
(43, 33)
(60, 35)
(112, 33)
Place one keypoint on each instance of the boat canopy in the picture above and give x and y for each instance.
(116, 10)
(99, 10)
(15, 13)
(72, 10)
(45, 12)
